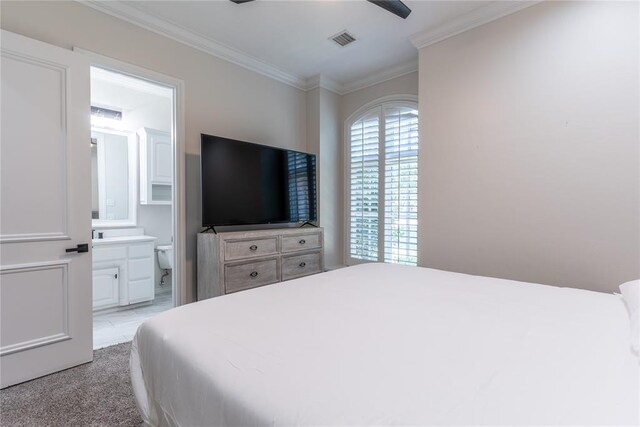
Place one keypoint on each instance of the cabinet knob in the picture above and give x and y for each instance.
(254, 274)
(302, 264)
(253, 248)
(302, 241)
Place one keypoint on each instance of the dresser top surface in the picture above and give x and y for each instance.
(263, 233)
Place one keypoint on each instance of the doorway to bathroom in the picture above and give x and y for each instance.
(133, 205)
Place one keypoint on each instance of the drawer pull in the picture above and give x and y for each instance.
(302, 241)
(254, 274)
(253, 248)
(302, 264)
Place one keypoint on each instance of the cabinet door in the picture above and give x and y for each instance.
(141, 273)
(161, 157)
(105, 287)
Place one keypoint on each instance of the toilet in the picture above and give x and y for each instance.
(165, 260)
(165, 256)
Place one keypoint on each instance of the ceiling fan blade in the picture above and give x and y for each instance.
(394, 6)
(241, 1)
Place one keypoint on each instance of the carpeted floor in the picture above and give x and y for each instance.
(94, 394)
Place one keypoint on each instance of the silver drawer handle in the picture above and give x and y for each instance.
(253, 248)
(254, 274)
(302, 264)
(302, 241)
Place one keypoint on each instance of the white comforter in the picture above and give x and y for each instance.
(381, 344)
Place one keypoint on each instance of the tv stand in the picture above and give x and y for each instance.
(232, 261)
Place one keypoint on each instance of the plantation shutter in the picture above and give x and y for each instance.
(401, 185)
(364, 181)
(383, 185)
(300, 173)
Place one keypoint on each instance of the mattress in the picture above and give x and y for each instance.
(381, 344)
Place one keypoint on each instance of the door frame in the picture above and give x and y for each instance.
(179, 286)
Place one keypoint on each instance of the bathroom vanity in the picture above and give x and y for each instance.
(123, 270)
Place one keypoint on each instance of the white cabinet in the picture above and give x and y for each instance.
(156, 166)
(123, 272)
(105, 287)
(141, 273)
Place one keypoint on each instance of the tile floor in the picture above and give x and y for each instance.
(120, 326)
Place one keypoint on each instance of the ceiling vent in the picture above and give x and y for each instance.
(343, 38)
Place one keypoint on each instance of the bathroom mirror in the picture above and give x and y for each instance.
(113, 178)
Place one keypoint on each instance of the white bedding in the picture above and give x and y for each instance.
(381, 344)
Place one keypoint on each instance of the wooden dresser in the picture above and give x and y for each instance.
(240, 260)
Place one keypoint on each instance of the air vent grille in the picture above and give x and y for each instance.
(343, 38)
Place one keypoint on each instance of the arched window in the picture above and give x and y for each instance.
(382, 184)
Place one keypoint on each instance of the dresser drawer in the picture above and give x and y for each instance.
(301, 265)
(238, 249)
(249, 275)
(301, 242)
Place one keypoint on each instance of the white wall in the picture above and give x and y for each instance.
(221, 98)
(529, 147)
(404, 85)
(324, 139)
(331, 184)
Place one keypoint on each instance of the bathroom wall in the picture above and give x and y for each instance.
(155, 219)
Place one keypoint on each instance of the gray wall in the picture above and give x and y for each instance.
(221, 98)
(529, 147)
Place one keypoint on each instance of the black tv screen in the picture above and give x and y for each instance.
(245, 183)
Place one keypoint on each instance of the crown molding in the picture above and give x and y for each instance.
(325, 83)
(468, 21)
(194, 40)
(483, 15)
(371, 80)
(381, 77)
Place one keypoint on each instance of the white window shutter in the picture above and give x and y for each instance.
(364, 182)
(401, 185)
(383, 185)
(299, 173)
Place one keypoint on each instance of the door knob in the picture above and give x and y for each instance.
(82, 247)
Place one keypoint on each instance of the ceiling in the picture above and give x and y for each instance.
(123, 93)
(289, 40)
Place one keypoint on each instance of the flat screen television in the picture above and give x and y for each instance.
(245, 183)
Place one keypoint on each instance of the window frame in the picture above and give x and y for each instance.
(378, 106)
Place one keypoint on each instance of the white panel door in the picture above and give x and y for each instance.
(45, 208)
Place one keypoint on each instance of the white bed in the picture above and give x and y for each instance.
(381, 344)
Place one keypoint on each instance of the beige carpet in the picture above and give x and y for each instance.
(94, 394)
